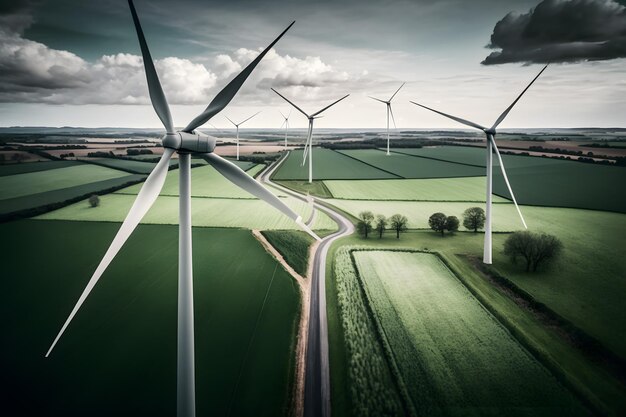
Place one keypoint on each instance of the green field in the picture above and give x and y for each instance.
(205, 182)
(19, 185)
(293, 246)
(327, 164)
(118, 357)
(128, 165)
(454, 356)
(12, 169)
(406, 166)
(206, 212)
(437, 189)
(542, 181)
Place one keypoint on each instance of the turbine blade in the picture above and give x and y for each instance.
(234, 124)
(226, 95)
(281, 113)
(457, 119)
(249, 117)
(213, 126)
(394, 94)
(146, 197)
(392, 118)
(506, 112)
(377, 99)
(238, 177)
(329, 106)
(157, 97)
(506, 180)
(283, 124)
(288, 101)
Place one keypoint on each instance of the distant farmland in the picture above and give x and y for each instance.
(453, 356)
(118, 357)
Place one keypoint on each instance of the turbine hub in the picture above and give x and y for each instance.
(171, 140)
(490, 131)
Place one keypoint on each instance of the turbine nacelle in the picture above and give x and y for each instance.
(189, 142)
(491, 131)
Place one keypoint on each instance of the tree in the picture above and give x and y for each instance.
(398, 223)
(474, 218)
(364, 226)
(437, 222)
(536, 249)
(452, 224)
(381, 225)
(94, 200)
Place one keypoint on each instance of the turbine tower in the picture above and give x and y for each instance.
(389, 112)
(308, 151)
(491, 146)
(286, 124)
(237, 127)
(185, 142)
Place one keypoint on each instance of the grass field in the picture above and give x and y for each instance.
(128, 165)
(456, 358)
(437, 189)
(327, 164)
(206, 212)
(19, 185)
(12, 169)
(118, 357)
(406, 166)
(542, 181)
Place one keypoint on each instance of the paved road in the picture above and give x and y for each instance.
(317, 374)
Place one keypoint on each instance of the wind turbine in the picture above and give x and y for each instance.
(389, 112)
(286, 124)
(237, 127)
(308, 151)
(490, 134)
(186, 142)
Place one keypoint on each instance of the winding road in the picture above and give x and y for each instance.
(317, 372)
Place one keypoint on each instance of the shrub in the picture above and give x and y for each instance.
(94, 200)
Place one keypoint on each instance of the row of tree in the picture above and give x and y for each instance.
(368, 223)
(473, 219)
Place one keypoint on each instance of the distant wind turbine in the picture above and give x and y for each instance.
(389, 112)
(237, 127)
(490, 133)
(307, 146)
(286, 124)
(186, 142)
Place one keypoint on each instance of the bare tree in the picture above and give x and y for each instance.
(474, 218)
(381, 225)
(536, 249)
(398, 223)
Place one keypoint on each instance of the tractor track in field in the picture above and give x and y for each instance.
(313, 389)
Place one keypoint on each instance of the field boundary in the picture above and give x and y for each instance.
(373, 166)
(436, 159)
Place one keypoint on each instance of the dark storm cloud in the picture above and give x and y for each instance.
(561, 31)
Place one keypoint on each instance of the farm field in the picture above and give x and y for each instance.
(19, 185)
(128, 165)
(454, 356)
(327, 164)
(435, 189)
(543, 181)
(206, 212)
(405, 166)
(121, 347)
(13, 169)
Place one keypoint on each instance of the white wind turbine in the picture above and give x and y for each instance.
(308, 150)
(491, 146)
(389, 112)
(237, 127)
(286, 124)
(186, 142)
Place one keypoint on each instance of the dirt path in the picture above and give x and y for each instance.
(302, 339)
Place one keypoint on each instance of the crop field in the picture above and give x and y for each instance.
(293, 246)
(136, 167)
(436, 189)
(453, 355)
(13, 169)
(206, 212)
(543, 181)
(406, 166)
(327, 164)
(19, 185)
(121, 347)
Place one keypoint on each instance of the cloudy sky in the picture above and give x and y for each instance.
(77, 63)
